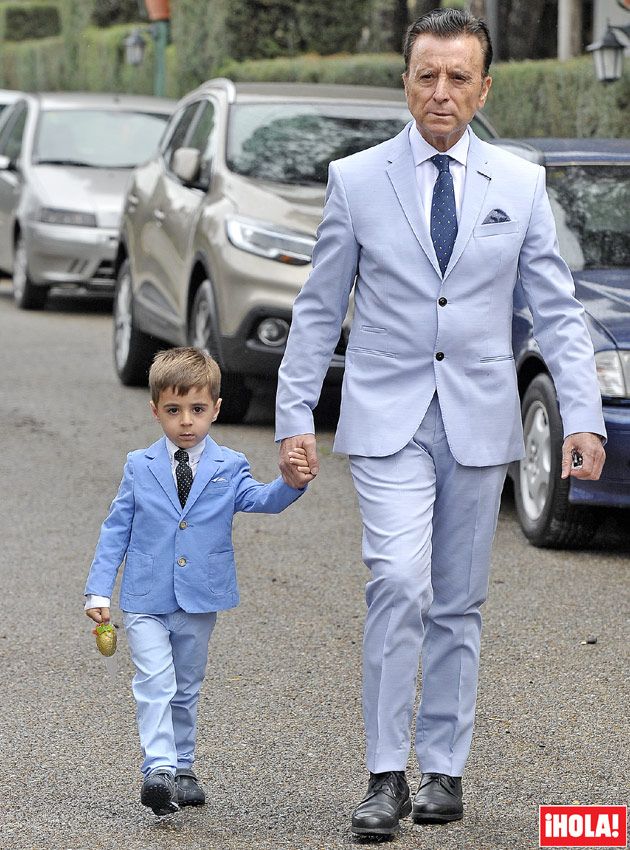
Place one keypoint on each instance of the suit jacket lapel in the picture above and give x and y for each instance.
(401, 172)
(478, 176)
(160, 466)
(209, 464)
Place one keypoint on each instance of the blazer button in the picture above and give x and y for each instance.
(439, 355)
(183, 524)
(181, 562)
(442, 301)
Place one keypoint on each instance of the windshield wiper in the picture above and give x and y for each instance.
(74, 162)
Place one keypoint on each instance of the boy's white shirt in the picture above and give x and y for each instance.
(194, 453)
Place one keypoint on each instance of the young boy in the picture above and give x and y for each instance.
(171, 522)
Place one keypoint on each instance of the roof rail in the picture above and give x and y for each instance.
(226, 84)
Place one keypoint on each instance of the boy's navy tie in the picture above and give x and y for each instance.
(443, 212)
(183, 474)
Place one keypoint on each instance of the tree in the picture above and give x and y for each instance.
(523, 28)
(331, 27)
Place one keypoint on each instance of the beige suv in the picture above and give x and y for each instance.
(219, 226)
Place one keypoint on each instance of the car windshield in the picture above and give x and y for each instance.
(294, 142)
(96, 138)
(590, 205)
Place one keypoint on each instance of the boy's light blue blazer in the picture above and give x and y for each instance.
(179, 557)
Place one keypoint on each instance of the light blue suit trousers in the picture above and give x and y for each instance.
(428, 525)
(169, 652)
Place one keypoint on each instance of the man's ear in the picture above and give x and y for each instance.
(485, 88)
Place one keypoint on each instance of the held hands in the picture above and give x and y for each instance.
(298, 460)
(589, 448)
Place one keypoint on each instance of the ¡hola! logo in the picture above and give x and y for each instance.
(582, 826)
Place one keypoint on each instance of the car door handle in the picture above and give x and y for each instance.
(159, 215)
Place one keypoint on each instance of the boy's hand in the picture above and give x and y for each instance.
(295, 453)
(297, 459)
(99, 615)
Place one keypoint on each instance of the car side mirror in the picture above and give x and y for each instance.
(185, 164)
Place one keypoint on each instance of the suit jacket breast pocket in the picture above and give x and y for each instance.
(138, 574)
(498, 228)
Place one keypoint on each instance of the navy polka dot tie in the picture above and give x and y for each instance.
(183, 474)
(443, 213)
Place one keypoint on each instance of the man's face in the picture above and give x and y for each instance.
(445, 86)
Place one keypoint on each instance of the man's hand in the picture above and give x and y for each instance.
(289, 454)
(99, 615)
(589, 448)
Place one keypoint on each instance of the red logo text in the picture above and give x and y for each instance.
(582, 826)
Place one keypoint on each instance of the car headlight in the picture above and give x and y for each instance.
(271, 241)
(613, 373)
(76, 218)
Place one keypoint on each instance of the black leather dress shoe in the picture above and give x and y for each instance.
(189, 791)
(159, 793)
(439, 799)
(387, 800)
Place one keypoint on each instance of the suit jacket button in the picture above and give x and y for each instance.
(442, 301)
(181, 562)
(183, 524)
(439, 355)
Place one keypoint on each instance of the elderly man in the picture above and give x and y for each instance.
(433, 228)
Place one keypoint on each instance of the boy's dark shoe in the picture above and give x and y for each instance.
(159, 792)
(387, 800)
(189, 791)
(439, 799)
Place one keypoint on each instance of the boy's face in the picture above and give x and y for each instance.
(186, 419)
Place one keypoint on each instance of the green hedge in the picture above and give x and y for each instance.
(369, 69)
(29, 20)
(546, 98)
(33, 65)
(201, 31)
(551, 98)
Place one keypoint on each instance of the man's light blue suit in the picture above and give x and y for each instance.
(179, 571)
(445, 427)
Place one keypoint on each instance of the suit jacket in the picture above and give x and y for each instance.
(179, 557)
(403, 345)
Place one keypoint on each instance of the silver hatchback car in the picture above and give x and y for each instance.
(65, 160)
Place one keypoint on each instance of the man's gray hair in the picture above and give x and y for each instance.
(449, 23)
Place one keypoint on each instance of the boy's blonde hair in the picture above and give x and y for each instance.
(182, 369)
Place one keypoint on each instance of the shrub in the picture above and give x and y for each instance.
(106, 13)
(328, 28)
(262, 28)
(198, 29)
(379, 69)
(28, 20)
(33, 65)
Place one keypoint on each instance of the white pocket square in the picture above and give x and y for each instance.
(218, 480)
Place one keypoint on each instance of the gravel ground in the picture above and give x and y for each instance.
(280, 747)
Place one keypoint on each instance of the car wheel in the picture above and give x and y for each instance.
(26, 294)
(133, 349)
(235, 393)
(541, 496)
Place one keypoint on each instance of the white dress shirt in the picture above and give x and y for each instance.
(194, 453)
(426, 172)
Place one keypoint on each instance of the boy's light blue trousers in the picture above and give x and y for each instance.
(169, 652)
(428, 525)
